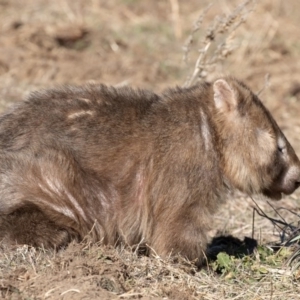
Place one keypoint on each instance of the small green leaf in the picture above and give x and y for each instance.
(263, 270)
(224, 260)
(260, 269)
(284, 252)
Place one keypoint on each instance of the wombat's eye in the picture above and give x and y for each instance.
(282, 150)
(281, 145)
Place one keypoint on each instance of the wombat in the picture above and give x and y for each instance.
(131, 166)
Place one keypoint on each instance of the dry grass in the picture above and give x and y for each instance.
(219, 41)
(90, 270)
(139, 43)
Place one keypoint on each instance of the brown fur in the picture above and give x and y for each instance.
(132, 166)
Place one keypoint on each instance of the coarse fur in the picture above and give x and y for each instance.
(132, 166)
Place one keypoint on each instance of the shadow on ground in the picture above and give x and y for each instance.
(230, 245)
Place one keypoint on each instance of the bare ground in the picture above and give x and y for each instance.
(47, 43)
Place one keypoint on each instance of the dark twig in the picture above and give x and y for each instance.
(276, 211)
(282, 230)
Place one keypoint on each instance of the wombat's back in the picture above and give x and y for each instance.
(54, 154)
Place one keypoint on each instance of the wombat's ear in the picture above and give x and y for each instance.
(224, 96)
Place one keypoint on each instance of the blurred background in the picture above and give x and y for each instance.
(156, 44)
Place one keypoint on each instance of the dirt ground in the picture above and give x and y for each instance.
(140, 43)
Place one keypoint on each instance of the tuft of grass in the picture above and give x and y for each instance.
(218, 41)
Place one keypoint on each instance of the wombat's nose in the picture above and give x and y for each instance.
(297, 184)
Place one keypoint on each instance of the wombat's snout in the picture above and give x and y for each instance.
(292, 180)
(297, 184)
(288, 182)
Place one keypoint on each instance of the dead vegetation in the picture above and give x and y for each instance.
(139, 43)
(219, 41)
(85, 271)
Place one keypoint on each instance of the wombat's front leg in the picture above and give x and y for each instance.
(181, 237)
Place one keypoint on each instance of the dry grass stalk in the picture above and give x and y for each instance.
(218, 42)
(266, 84)
(176, 18)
